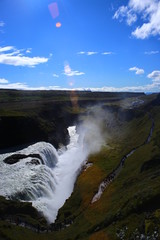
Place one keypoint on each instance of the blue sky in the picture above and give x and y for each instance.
(80, 44)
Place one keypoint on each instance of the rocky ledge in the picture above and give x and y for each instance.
(14, 158)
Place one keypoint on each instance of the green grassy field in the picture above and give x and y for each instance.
(130, 205)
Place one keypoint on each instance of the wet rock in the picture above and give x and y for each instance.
(36, 155)
(14, 158)
(33, 162)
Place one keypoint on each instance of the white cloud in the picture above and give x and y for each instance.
(146, 88)
(154, 86)
(120, 13)
(6, 49)
(24, 86)
(2, 24)
(55, 75)
(11, 56)
(20, 86)
(138, 5)
(137, 70)
(3, 80)
(91, 53)
(5, 84)
(151, 52)
(155, 75)
(81, 53)
(107, 53)
(69, 72)
(87, 53)
(125, 12)
(149, 13)
(29, 50)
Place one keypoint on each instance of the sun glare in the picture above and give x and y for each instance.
(58, 24)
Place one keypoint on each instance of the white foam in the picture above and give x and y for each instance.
(48, 185)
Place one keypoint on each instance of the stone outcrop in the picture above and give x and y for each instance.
(14, 158)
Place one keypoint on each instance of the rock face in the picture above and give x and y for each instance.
(14, 210)
(14, 158)
(33, 162)
(18, 130)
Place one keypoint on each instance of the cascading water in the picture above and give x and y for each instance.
(27, 181)
(45, 177)
(46, 184)
(65, 173)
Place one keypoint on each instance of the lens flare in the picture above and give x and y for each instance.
(67, 69)
(53, 8)
(74, 100)
(71, 83)
(58, 24)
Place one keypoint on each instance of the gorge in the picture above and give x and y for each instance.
(56, 175)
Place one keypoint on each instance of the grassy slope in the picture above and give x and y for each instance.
(103, 212)
(125, 202)
(130, 194)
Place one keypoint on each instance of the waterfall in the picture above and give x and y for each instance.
(45, 177)
(25, 180)
(46, 183)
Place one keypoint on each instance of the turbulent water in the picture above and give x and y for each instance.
(46, 185)
(45, 176)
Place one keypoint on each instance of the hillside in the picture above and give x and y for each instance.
(126, 169)
(30, 116)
